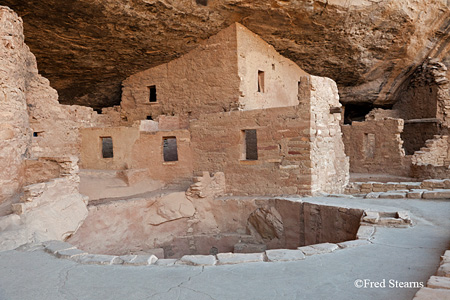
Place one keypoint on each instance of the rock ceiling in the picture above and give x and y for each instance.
(369, 47)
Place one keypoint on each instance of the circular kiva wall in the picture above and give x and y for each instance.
(172, 225)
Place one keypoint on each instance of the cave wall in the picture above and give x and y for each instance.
(87, 48)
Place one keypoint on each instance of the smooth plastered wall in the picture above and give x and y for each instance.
(281, 75)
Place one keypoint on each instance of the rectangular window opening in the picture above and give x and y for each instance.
(152, 90)
(107, 147)
(170, 151)
(251, 144)
(261, 81)
(369, 145)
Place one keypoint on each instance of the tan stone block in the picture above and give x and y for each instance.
(437, 194)
(444, 270)
(236, 258)
(432, 294)
(98, 259)
(393, 195)
(284, 255)
(198, 260)
(415, 193)
(365, 232)
(446, 257)
(353, 243)
(371, 217)
(438, 282)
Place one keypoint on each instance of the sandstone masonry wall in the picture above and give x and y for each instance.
(15, 134)
(434, 153)
(203, 81)
(283, 141)
(34, 124)
(140, 147)
(56, 127)
(375, 146)
(330, 165)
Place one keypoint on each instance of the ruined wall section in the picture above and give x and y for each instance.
(330, 165)
(267, 78)
(203, 81)
(424, 104)
(375, 146)
(14, 128)
(283, 165)
(56, 127)
(434, 153)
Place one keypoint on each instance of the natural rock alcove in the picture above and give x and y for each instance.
(172, 225)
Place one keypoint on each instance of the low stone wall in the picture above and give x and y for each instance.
(427, 189)
(435, 152)
(430, 171)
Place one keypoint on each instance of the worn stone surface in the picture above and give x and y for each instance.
(373, 195)
(138, 260)
(70, 253)
(365, 232)
(97, 259)
(267, 223)
(432, 294)
(393, 195)
(371, 217)
(446, 257)
(284, 255)
(438, 282)
(54, 246)
(198, 260)
(236, 258)
(415, 193)
(355, 243)
(318, 249)
(249, 248)
(444, 270)
(436, 194)
(165, 262)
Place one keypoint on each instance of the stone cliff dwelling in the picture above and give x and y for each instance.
(227, 154)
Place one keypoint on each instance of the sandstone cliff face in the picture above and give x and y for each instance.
(32, 122)
(15, 135)
(86, 48)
